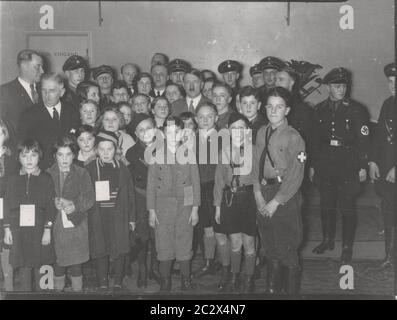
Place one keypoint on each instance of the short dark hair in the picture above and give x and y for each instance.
(119, 84)
(234, 117)
(180, 88)
(29, 145)
(136, 95)
(83, 88)
(194, 72)
(155, 100)
(67, 141)
(85, 128)
(248, 91)
(120, 104)
(225, 86)
(26, 55)
(189, 115)
(207, 104)
(174, 120)
(145, 75)
(166, 59)
(282, 93)
(213, 75)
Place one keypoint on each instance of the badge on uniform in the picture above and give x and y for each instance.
(27, 215)
(364, 130)
(302, 156)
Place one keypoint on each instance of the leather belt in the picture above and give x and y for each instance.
(244, 188)
(271, 181)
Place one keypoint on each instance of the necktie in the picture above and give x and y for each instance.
(55, 114)
(157, 93)
(265, 151)
(191, 106)
(35, 95)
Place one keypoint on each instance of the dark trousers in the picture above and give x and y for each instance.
(102, 270)
(75, 270)
(281, 235)
(386, 191)
(26, 277)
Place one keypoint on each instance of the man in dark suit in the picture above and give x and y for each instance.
(160, 76)
(21, 93)
(193, 84)
(50, 119)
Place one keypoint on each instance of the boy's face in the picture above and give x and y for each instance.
(86, 142)
(127, 114)
(93, 94)
(105, 81)
(75, 76)
(29, 160)
(249, 107)
(111, 121)
(221, 98)
(144, 86)
(141, 105)
(337, 91)
(64, 157)
(257, 80)
(276, 110)
(145, 131)
(120, 95)
(106, 151)
(51, 91)
(231, 78)
(172, 93)
(206, 118)
(270, 77)
(88, 114)
(189, 124)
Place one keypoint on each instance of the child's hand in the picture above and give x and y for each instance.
(58, 203)
(193, 220)
(46, 239)
(218, 215)
(271, 208)
(153, 221)
(68, 206)
(7, 236)
(132, 226)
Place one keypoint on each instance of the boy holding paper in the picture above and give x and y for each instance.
(74, 196)
(113, 214)
(29, 213)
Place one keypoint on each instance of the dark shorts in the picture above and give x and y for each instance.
(238, 212)
(207, 209)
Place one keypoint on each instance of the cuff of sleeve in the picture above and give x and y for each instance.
(281, 199)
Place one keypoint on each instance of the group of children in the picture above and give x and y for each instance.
(104, 201)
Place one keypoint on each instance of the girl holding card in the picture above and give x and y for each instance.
(7, 167)
(173, 197)
(29, 212)
(74, 196)
(113, 214)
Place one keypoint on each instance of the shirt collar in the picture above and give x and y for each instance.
(57, 107)
(23, 172)
(195, 101)
(26, 86)
(281, 126)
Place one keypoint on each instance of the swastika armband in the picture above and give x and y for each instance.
(302, 157)
(364, 130)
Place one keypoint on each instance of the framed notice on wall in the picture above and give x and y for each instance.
(56, 47)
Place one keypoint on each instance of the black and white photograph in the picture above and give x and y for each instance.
(197, 150)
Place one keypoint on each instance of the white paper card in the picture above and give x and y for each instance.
(27, 215)
(102, 191)
(65, 221)
(1, 209)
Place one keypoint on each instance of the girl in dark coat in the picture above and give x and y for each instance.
(74, 196)
(7, 167)
(29, 212)
(113, 214)
(85, 136)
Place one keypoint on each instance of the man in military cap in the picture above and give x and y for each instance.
(230, 71)
(103, 75)
(177, 69)
(381, 164)
(270, 66)
(75, 68)
(339, 159)
(129, 72)
(256, 74)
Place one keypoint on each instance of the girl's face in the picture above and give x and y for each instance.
(249, 106)
(93, 94)
(144, 86)
(160, 110)
(189, 124)
(127, 113)
(106, 151)
(111, 121)
(29, 160)
(276, 110)
(173, 134)
(64, 157)
(172, 93)
(86, 142)
(145, 131)
(221, 98)
(207, 89)
(88, 114)
(141, 105)
(2, 137)
(206, 118)
(237, 130)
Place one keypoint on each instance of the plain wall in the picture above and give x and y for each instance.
(207, 33)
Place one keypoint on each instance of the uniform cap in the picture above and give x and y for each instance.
(271, 63)
(101, 70)
(390, 70)
(229, 65)
(178, 65)
(74, 62)
(255, 69)
(337, 75)
(104, 135)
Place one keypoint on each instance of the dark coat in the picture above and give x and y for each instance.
(256, 124)
(125, 212)
(71, 244)
(70, 97)
(180, 105)
(37, 123)
(39, 190)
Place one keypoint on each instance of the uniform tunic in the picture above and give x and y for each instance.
(256, 124)
(237, 208)
(71, 244)
(172, 191)
(281, 234)
(223, 119)
(35, 189)
(382, 153)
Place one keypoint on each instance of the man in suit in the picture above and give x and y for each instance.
(129, 72)
(160, 76)
(50, 119)
(193, 84)
(75, 68)
(21, 93)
